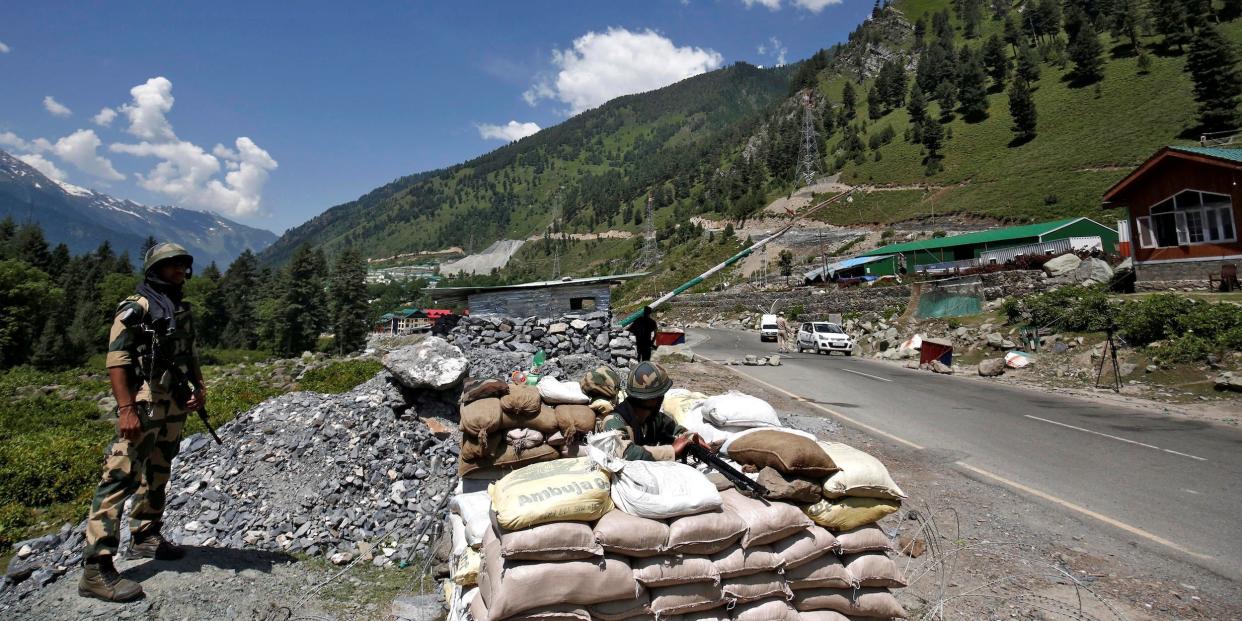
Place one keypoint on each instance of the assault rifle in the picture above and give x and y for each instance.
(182, 386)
(744, 483)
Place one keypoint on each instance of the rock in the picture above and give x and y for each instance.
(1092, 271)
(1151, 368)
(750, 360)
(1008, 344)
(558, 328)
(341, 558)
(940, 367)
(1127, 368)
(774, 361)
(578, 324)
(432, 364)
(995, 340)
(417, 608)
(1063, 265)
(992, 367)
(1229, 381)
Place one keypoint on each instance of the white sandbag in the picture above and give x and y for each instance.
(458, 529)
(679, 403)
(474, 509)
(652, 489)
(735, 409)
(860, 474)
(556, 392)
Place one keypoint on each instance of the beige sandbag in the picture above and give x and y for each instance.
(804, 547)
(752, 588)
(874, 569)
(523, 439)
(825, 572)
(511, 587)
(602, 407)
(864, 539)
(662, 571)
(521, 402)
(478, 611)
(480, 419)
(555, 541)
(850, 513)
(860, 474)
(767, 610)
(788, 488)
(630, 535)
(855, 603)
(572, 490)
(718, 614)
(465, 568)
(705, 533)
(791, 454)
(736, 561)
(544, 421)
(828, 615)
(686, 598)
(575, 421)
(766, 522)
(483, 388)
(678, 401)
(502, 456)
(619, 610)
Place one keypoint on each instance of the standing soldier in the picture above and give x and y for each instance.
(782, 334)
(156, 380)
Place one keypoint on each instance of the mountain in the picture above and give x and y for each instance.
(83, 218)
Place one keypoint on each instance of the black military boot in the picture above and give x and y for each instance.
(101, 581)
(154, 545)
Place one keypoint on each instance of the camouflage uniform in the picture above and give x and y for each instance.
(649, 440)
(141, 469)
(601, 383)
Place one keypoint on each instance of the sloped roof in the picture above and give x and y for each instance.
(844, 265)
(1233, 155)
(982, 237)
(1219, 156)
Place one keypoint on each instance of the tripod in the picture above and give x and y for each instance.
(1111, 349)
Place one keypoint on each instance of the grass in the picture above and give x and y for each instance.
(679, 265)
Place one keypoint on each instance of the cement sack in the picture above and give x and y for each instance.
(523, 439)
(678, 402)
(554, 541)
(827, 615)
(718, 614)
(521, 402)
(629, 535)
(825, 572)
(804, 547)
(652, 489)
(705, 533)
(789, 488)
(663, 571)
(752, 588)
(556, 392)
(474, 510)
(620, 610)
(575, 421)
(483, 388)
(766, 522)
(737, 562)
(767, 610)
(864, 539)
(874, 569)
(855, 603)
(512, 587)
(572, 490)
(860, 474)
(457, 531)
(480, 419)
(850, 513)
(686, 598)
(465, 568)
(478, 612)
(502, 456)
(735, 409)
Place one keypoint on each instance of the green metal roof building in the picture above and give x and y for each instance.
(971, 245)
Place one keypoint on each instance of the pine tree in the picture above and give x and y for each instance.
(239, 292)
(972, 16)
(918, 105)
(946, 96)
(1144, 62)
(972, 87)
(933, 141)
(1088, 55)
(1022, 109)
(59, 262)
(996, 59)
(1075, 18)
(348, 292)
(147, 244)
(1231, 10)
(849, 103)
(1013, 33)
(920, 33)
(875, 103)
(1213, 66)
(1126, 19)
(32, 247)
(301, 313)
(1028, 65)
(1171, 21)
(53, 350)
(123, 264)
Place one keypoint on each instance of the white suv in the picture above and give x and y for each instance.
(821, 336)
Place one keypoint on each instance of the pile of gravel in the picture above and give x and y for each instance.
(588, 334)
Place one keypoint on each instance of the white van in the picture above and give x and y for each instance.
(768, 328)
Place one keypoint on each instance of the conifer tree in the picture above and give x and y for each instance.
(1013, 33)
(996, 59)
(301, 312)
(1126, 19)
(1087, 54)
(849, 103)
(1170, 20)
(1231, 10)
(1022, 109)
(875, 103)
(1213, 66)
(933, 141)
(946, 96)
(1144, 62)
(147, 244)
(348, 292)
(53, 350)
(972, 87)
(239, 292)
(1028, 65)
(32, 247)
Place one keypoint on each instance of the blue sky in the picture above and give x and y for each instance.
(270, 113)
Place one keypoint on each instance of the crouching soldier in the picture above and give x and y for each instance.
(156, 380)
(647, 433)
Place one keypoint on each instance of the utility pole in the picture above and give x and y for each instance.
(808, 153)
(651, 251)
(556, 247)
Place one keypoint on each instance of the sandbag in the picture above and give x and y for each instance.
(804, 547)
(544, 422)
(735, 409)
(483, 388)
(788, 489)
(850, 513)
(502, 456)
(511, 587)
(736, 562)
(790, 452)
(622, 609)
(602, 407)
(860, 475)
(828, 615)
(478, 611)
(562, 490)
(555, 541)
(686, 598)
(766, 522)
(556, 392)
(630, 535)
(665, 571)
(678, 402)
(652, 489)
(457, 533)
(474, 509)
(864, 539)
(752, 588)
(874, 569)
(767, 610)
(523, 439)
(825, 572)
(717, 614)
(862, 602)
(575, 421)
(521, 402)
(705, 533)
(480, 419)
(465, 568)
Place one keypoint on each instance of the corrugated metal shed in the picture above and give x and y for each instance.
(817, 273)
(1233, 155)
(981, 237)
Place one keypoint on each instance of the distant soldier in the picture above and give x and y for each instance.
(782, 335)
(647, 433)
(644, 330)
(156, 380)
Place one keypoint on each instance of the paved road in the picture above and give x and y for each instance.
(1171, 484)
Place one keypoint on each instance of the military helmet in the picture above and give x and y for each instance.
(601, 383)
(648, 380)
(163, 252)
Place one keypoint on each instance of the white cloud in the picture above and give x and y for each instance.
(11, 140)
(508, 132)
(774, 48)
(4, 49)
(815, 6)
(41, 164)
(152, 101)
(105, 117)
(603, 66)
(55, 107)
(772, 5)
(80, 149)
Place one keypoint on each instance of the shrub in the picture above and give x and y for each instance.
(888, 234)
(1151, 319)
(338, 377)
(1081, 309)
(228, 398)
(1185, 348)
(14, 518)
(796, 311)
(1210, 321)
(44, 468)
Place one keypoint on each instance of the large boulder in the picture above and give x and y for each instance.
(433, 364)
(1092, 271)
(1063, 265)
(1229, 381)
(992, 367)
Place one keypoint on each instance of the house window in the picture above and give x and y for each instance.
(586, 304)
(1190, 217)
